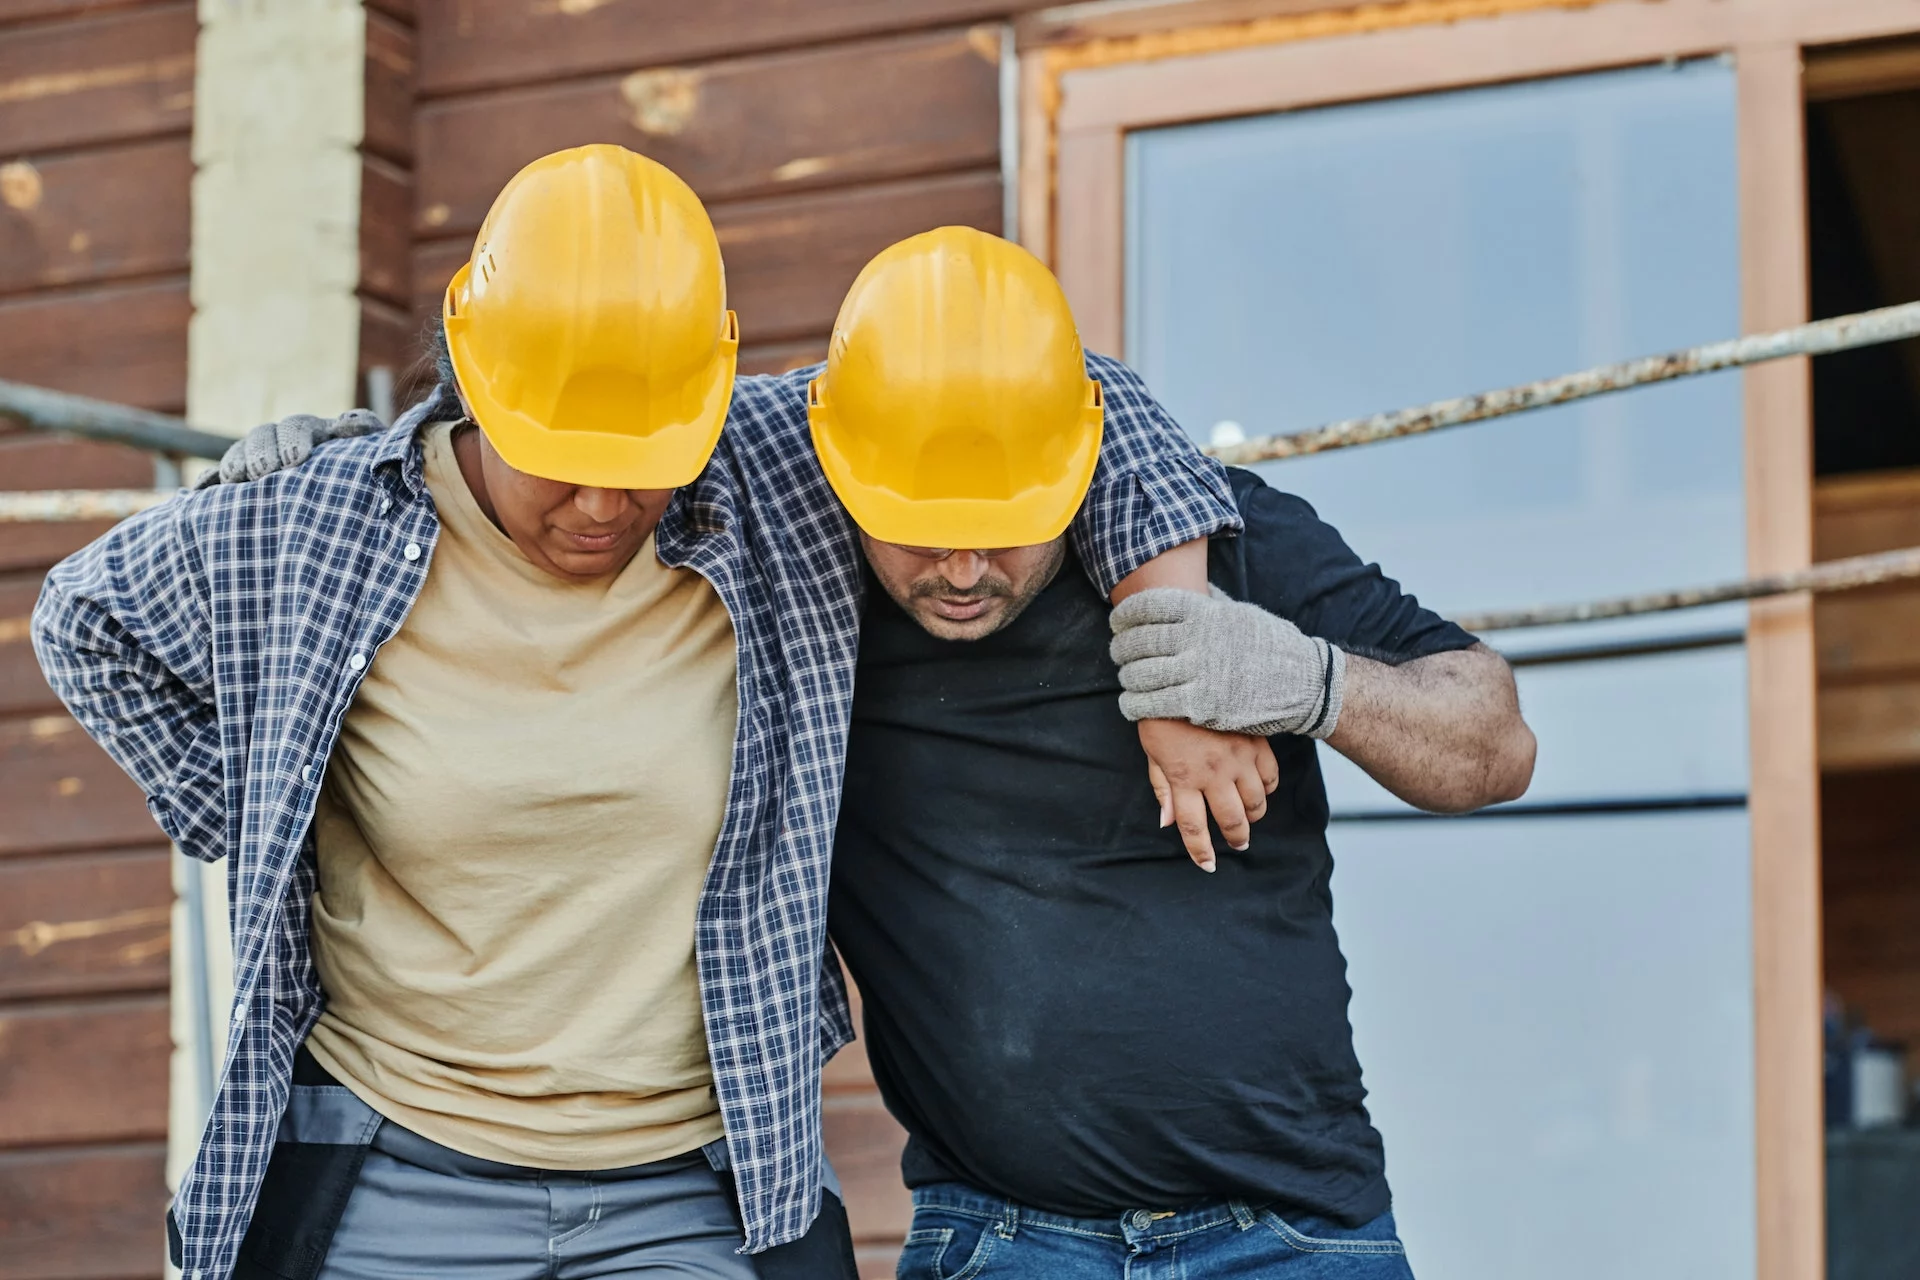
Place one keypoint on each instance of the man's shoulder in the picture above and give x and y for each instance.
(1263, 503)
(771, 402)
(767, 435)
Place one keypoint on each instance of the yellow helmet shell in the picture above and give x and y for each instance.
(955, 409)
(590, 330)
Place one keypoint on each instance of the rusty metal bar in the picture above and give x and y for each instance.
(1869, 328)
(43, 410)
(78, 504)
(1832, 575)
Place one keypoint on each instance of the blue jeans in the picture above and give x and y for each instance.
(959, 1234)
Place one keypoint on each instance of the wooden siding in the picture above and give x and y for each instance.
(1870, 881)
(96, 108)
(388, 333)
(1868, 641)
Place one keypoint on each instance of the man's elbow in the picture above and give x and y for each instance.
(1510, 771)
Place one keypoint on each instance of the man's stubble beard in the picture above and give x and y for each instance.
(990, 584)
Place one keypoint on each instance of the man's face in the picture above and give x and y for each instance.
(573, 532)
(963, 595)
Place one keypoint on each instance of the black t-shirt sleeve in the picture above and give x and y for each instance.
(1298, 566)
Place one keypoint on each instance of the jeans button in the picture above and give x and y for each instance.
(1141, 1219)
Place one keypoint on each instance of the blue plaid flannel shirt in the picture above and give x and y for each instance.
(209, 646)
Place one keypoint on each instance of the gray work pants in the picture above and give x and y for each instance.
(371, 1200)
(420, 1210)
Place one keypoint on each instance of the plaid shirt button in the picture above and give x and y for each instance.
(412, 551)
(358, 661)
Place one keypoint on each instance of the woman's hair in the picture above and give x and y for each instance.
(431, 374)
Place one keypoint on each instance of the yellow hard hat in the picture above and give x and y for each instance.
(955, 409)
(590, 330)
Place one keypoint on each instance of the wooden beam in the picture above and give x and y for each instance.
(791, 258)
(64, 221)
(1784, 802)
(61, 791)
(85, 924)
(1089, 244)
(109, 77)
(124, 343)
(91, 1071)
(91, 1213)
(745, 128)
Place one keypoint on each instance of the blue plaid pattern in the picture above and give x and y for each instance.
(206, 645)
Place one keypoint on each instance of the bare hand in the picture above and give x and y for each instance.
(1194, 770)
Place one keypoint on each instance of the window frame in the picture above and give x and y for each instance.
(1091, 74)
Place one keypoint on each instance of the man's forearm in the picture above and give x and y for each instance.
(1443, 733)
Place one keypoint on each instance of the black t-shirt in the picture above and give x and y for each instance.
(1060, 1007)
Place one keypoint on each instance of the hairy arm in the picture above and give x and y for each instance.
(1442, 732)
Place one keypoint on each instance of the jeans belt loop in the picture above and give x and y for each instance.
(1242, 1214)
(1009, 1220)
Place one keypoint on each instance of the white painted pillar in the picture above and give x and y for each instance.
(279, 109)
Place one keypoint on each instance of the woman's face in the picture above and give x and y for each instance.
(573, 532)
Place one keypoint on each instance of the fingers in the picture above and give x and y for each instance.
(1230, 811)
(1157, 641)
(352, 423)
(1251, 789)
(1266, 765)
(1157, 779)
(1156, 604)
(1145, 675)
(1190, 816)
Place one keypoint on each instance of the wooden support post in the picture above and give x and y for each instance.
(1785, 800)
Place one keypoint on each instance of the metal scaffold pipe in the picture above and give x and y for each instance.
(1869, 328)
(1831, 575)
(78, 504)
(43, 410)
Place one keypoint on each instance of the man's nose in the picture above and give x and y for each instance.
(602, 506)
(964, 568)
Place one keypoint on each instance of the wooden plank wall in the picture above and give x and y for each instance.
(96, 109)
(1869, 643)
(388, 332)
(1870, 885)
(818, 133)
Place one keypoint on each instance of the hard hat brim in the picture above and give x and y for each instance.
(1033, 516)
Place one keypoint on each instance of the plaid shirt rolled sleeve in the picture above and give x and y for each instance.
(214, 644)
(135, 670)
(1152, 490)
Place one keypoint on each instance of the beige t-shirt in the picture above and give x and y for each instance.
(513, 834)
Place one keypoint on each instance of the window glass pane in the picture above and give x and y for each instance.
(1660, 728)
(1556, 1027)
(1292, 269)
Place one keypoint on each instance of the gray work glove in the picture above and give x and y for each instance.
(275, 446)
(1220, 664)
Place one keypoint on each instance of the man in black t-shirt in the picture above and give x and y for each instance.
(1098, 1053)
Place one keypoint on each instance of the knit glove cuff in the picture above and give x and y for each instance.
(1222, 664)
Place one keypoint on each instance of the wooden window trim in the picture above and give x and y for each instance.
(1080, 100)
